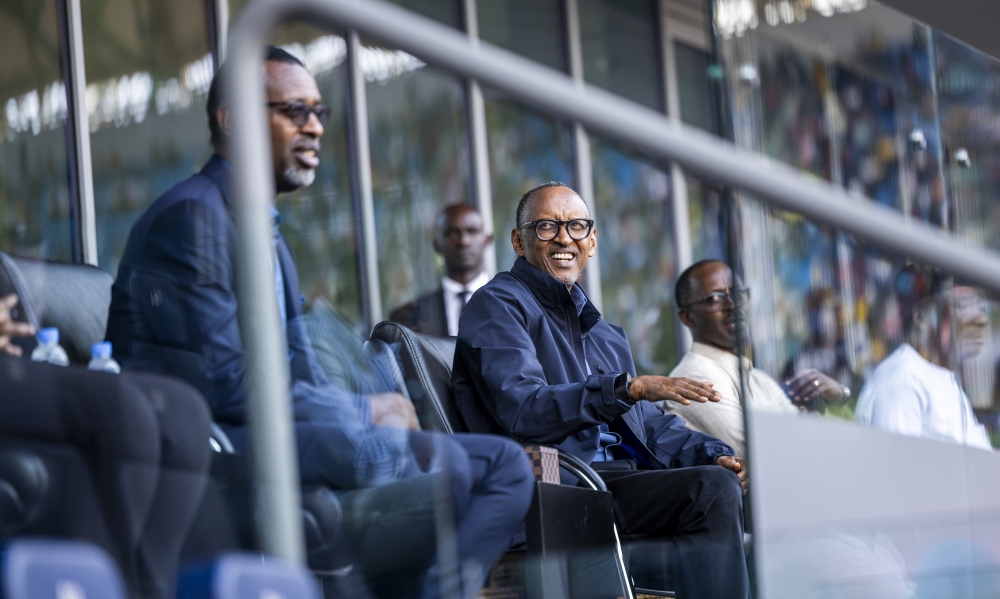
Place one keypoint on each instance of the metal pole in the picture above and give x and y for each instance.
(272, 437)
(361, 177)
(75, 76)
(681, 221)
(218, 27)
(482, 186)
(581, 145)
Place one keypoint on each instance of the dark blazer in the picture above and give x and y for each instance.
(426, 314)
(173, 304)
(520, 371)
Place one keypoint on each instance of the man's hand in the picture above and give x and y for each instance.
(683, 391)
(9, 328)
(809, 386)
(737, 465)
(393, 410)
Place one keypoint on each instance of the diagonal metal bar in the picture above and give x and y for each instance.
(532, 84)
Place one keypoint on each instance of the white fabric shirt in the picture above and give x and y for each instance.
(912, 396)
(724, 419)
(453, 304)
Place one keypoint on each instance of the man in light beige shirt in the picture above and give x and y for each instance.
(707, 304)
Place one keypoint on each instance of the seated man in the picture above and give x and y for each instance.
(707, 304)
(174, 310)
(535, 361)
(461, 240)
(149, 457)
(914, 391)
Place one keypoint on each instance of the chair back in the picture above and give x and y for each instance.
(425, 362)
(72, 297)
(248, 576)
(35, 568)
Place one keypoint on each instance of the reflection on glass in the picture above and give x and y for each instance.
(532, 28)
(318, 221)
(638, 265)
(967, 94)
(419, 164)
(34, 186)
(525, 150)
(620, 47)
(149, 70)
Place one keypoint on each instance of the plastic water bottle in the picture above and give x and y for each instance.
(101, 360)
(48, 349)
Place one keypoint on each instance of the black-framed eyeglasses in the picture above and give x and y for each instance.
(299, 112)
(714, 302)
(547, 229)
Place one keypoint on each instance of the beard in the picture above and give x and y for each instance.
(295, 177)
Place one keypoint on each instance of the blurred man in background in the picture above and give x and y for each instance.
(461, 240)
(915, 390)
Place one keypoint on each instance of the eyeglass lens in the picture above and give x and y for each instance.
(547, 230)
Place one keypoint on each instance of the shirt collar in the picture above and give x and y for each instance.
(452, 286)
(554, 294)
(720, 355)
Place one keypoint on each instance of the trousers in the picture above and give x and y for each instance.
(144, 445)
(692, 523)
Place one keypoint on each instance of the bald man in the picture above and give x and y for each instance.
(460, 238)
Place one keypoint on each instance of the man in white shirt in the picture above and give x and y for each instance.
(915, 390)
(707, 304)
(461, 240)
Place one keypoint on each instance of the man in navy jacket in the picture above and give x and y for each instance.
(174, 311)
(536, 362)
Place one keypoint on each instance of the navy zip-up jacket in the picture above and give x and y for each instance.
(520, 372)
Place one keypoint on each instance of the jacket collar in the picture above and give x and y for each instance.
(553, 294)
(220, 172)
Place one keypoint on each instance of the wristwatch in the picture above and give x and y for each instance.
(623, 386)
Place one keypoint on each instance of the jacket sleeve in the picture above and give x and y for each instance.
(677, 446)
(496, 353)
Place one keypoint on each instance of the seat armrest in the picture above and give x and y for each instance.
(582, 471)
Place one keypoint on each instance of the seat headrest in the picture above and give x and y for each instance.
(426, 363)
(72, 297)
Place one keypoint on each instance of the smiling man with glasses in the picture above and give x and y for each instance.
(536, 362)
(709, 303)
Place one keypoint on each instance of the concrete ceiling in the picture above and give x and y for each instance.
(974, 22)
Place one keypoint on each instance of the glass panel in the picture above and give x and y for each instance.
(34, 184)
(318, 221)
(532, 28)
(444, 11)
(526, 149)
(149, 71)
(695, 88)
(419, 165)
(621, 51)
(634, 218)
(968, 92)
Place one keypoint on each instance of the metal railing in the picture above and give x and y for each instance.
(543, 88)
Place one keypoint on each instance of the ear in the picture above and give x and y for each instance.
(222, 115)
(489, 238)
(517, 242)
(436, 245)
(593, 243)
(685, 317)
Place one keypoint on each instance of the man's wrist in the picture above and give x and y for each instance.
(623, 388)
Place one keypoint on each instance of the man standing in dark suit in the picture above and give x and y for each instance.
(535, 361)
(461, 240)
(174, 310)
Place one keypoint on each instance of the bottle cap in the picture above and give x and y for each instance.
(101, 350)
(48, 336)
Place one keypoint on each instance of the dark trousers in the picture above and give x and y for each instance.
(448, 527)
(144, 440)
(692, 519)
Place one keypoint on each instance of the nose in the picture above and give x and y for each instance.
(313, 127)
(562, 235)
